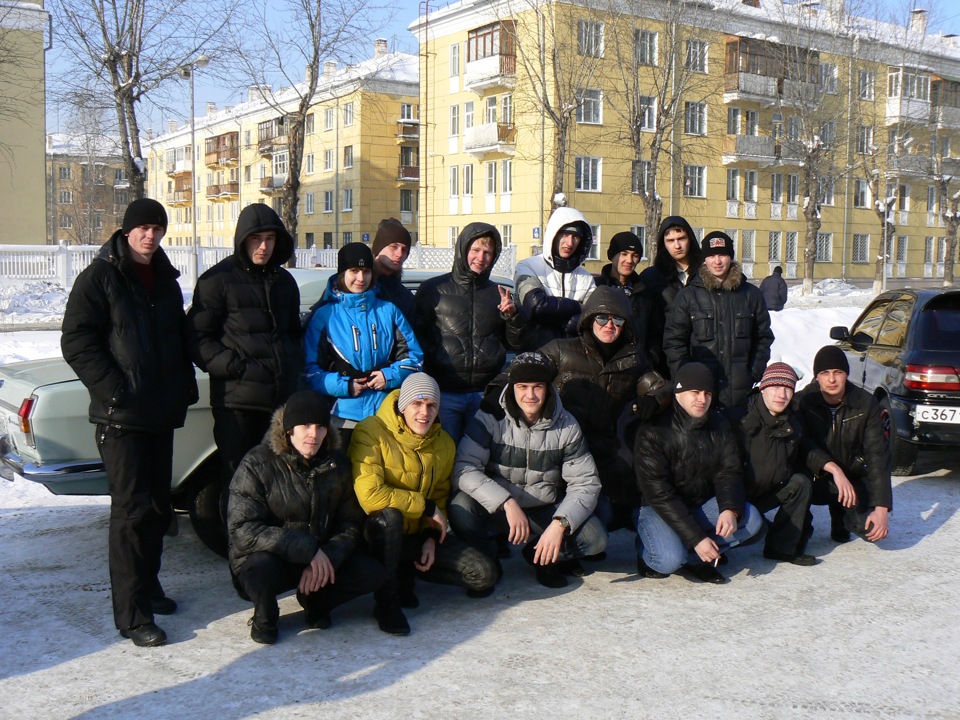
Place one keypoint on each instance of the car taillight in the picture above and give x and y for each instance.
(931, 377)
(23, 415)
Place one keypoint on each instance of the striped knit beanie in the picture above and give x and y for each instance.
(418, 386)
(779, 373)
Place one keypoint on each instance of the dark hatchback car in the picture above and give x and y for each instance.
(905, 349)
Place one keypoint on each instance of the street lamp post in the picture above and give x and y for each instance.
(187, 71)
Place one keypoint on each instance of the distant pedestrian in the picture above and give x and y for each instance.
(774, 289)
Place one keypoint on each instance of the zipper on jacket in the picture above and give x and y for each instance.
(373, 329)
(356, 338)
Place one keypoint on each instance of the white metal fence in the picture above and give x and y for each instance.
(62, 263)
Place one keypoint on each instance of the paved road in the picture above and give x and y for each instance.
(871, 632)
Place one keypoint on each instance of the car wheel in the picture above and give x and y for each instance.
(204, 508)
(903, 454)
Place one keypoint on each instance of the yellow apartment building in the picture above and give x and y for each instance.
(759, 93)
(360, 159)
(23, 27)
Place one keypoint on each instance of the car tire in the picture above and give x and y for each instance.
(903, 454)
(203, 506)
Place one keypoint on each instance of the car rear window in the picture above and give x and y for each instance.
(940, 323)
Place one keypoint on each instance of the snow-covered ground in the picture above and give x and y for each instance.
(872, 631)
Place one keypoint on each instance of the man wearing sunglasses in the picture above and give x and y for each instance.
(600, 372)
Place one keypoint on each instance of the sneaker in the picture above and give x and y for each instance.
(391, 619)
(840, 535)
(793, 558)
(706, 572)
(316, 619)
(648, 572)
(571, 568)
(163, 605)
(263, 632)
(146, 635)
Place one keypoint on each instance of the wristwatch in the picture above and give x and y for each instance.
(564, 523)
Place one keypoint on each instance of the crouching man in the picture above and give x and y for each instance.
(523, 468)
(689, 470)
(294, 521)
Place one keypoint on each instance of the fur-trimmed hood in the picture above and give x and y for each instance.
(279, 442)
(735, 278)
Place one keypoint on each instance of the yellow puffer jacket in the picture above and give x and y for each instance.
(394, 467)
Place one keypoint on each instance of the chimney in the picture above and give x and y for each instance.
(918, 21)
(329, 68)
(149, 133)
(379, 47)
(171, 126)
(211, 108)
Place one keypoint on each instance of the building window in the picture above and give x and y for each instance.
(793, 128)
(65, 173)
(307, 162)
(828, 78)
(468, 115)
(348, 114)
(824, 249)
(866, 79)
(747, 246)
(309, 124)
(328, 160)
(773, 247)
(793, 188)
(347, 199)
(590, 107)
(490, 173)
(490, 109)
(66, 197)
(506, 109)
(506, 235)
(452, 234)
(329, 118)
(791, 246)
(406, 201)
(912, 84)
(454, 181)
(933, 199)
(647, 106)
(695, 181)
(347, 237)
(828, 133)
(776, 187)
(506, 176)
(467, 180)
(590, 38)
(66, 222)
(733, 184)
(406, 111)
(587, 172)
(861, 248)
(861, 193)
(348, 156)
(695, 118)
(641, 232)
(753, 122)
(750, 186)
(454, 120)
(455, 60)
(901, 248)
(328, 201)
(119, 176)
(640, 176)
(696, 60)
(280, 164)
(733, 121)
(645, 47)
(865, 140)
(827, 191)
(308, 203)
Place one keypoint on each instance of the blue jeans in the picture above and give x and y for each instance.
(663, 550)
(456, 410)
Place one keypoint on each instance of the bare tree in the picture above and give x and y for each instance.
(131, 49)
(290, 40)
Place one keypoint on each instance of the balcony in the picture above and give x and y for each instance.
(409, 173)
(179, 198)
(741, 86)
(900, 165)
(269, 145)
(224, 191)
(799, 93)
(944, 117)
(494, 71)
(408, 130)
(272, 184)
(907, 110)
(490, 138)
(179, 167)
(222, 150)
(749, 148)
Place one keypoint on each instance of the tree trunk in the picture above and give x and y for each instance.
(810, 244)
(952, 224)
(291, 186)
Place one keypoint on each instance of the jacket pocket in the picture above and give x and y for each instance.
(744, 325)
(703, 326)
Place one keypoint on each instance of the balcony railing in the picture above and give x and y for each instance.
(945, 117)
(180, 197)
(909, 165)
(409, 172)
(907, 110)
(178, 167)
(749, 86)
(748, 148)
(272, 183)
(224, 191)
(490, 137)
(489, 72)
(271, 145)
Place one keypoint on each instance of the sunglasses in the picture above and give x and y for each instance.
(602, 320)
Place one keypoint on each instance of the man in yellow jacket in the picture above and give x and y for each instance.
(402, 460)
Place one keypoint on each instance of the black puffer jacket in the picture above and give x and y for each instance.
(292, 507)
(639, 300)
(392, 289)
(128, 347)
(774, 447)
(682, 462)
(853, 438)
(775, 292)
(661, 282)
(726, 326)
(463, 334)
(245, 321)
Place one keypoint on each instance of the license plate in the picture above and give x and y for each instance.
(938, 414)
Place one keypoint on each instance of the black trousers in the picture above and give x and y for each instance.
(235, 432)
(793, 503)
(139, 466)
(852, 519)
(456, 562)
(264, 576)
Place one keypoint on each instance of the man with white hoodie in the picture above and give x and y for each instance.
(551, 287)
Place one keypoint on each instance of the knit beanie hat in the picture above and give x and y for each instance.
(418, 386)
(390, 231)
(622, 242)
(717, 243)
(354, 255)
(694, 376)
(779, 373)
(830, 357)
(144, 211)
(531, 367)
(305, 408)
